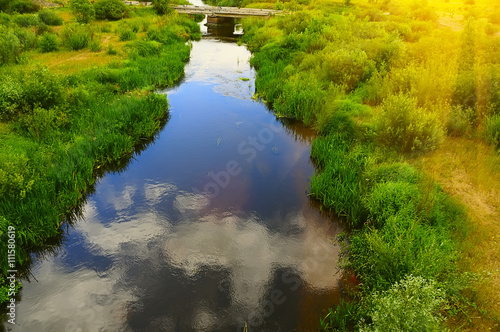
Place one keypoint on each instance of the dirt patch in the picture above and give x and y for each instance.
(468, 171)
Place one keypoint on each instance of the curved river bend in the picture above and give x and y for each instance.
(209, 229)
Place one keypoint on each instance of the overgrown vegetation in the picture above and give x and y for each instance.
(56, 130)
(384, 85)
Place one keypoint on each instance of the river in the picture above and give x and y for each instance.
(208, 229)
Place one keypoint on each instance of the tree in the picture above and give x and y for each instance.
(83, 10)
(161, 7)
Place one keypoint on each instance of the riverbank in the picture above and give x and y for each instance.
(385, 85)
(73, 99)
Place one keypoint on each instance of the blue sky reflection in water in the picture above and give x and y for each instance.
(155, 251)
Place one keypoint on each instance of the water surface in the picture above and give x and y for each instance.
(210, 228)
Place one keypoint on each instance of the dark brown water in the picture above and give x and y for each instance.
(208, 229)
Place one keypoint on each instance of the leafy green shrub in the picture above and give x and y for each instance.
(4, 5)
(24, 6)
(110, 9)
(10, 46)
(76, 36)
(162, 7)
(27, 38)
(406, 127)
(49, 17)
(410, 305)
(41, 88)
(126, 34)
(492, 130)
(83, 10)
(461, 121)
(11, 97)
(48, 42)
(344, 66)
(42, 124)
(13, 183)
(26, 20)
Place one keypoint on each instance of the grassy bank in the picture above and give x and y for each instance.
(388, 86)
(73, 98)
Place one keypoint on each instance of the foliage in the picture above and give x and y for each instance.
(492, 130)
(83, 10)
(411, 304)
(162, 7)
(127, 34)
(48, 42)
(24, 6)
(344, 315)
(49, 17)
(27, 20)
(10, 46)
(76, 36)
(110, 9)
(402, 124)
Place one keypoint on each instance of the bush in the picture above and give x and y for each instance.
(42, 124)
(406, 127)
(27, 38)
(410, 305)
(49, 17)
(83, 10)
(461, 121)
(24, 7)
(76, 36)
(41, 88)
(48, 42)
(127, 34)
(492, 130)
(27, 20)
(10, 46)
(161, 7)
(110, 9)
(34, 88)
(11, 97)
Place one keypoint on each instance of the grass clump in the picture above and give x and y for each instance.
(76, 36)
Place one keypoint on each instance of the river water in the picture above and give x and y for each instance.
(209, 229)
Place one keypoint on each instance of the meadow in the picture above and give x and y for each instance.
(405, 98)
(77, 94)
